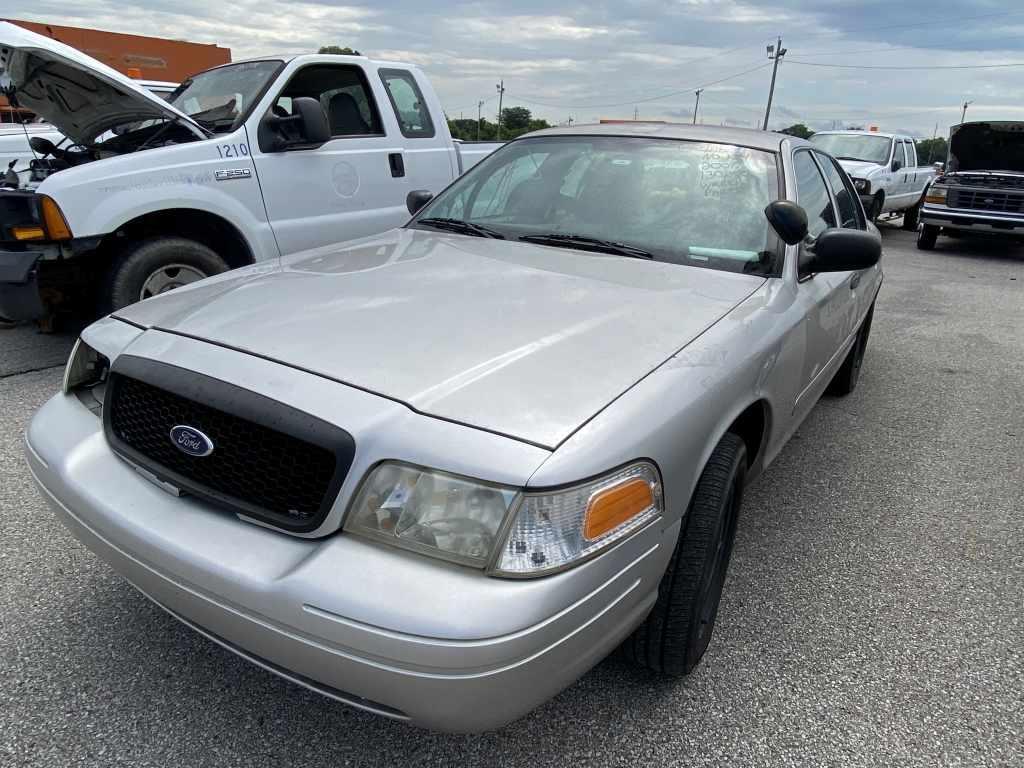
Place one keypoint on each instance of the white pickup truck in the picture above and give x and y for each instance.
(244, 162)
(884, 169)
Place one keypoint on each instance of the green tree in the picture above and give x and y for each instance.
(932, 150)
(339, 51)
(515, 119)
(799, 130)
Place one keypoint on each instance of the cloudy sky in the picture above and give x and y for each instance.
(597, 59)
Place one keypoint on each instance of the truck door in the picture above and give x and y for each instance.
(429, 156)
(347, 187)
(827, 297)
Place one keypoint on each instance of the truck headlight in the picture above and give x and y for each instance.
(863, 186)
(936, 195)
(431, 512)
(86, 368)
(554, 529)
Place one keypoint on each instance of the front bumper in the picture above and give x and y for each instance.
(279, 601)
(972, 220)
(19, 285)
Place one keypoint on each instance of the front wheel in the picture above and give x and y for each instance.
(674, 636)
(157, 265)
(846, 378)
(927, 235)
(875, 209)
(911, 216)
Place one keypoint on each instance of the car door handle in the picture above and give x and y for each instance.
(397, 163)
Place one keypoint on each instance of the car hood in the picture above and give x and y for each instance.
(524, 340)
(860, 169)
(987, 146)
(80, 96)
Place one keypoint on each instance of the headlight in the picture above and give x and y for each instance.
(861, 185)
(432, 512)
(936, 195)
(554, 529)
(86, 367)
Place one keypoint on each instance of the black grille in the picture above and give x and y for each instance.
(255, 468)
(984, 180)
(986, 200)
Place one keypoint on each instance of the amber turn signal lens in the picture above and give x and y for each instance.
(56, 225)
(28, 233)
(610, 508)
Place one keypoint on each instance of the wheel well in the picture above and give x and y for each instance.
(750, 426)
(207, 228)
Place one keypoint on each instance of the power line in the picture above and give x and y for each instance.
(882, 66)
(636, 101)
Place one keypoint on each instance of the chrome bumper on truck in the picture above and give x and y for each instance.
(973, 220)
(405, 636)
(19, 285)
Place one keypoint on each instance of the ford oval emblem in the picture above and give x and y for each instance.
(191, 441)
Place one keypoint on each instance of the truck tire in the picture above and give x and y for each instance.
(911, 217)
(926, 237)
(157, 265)
(845, 379)
(673, 637)
(875, 209)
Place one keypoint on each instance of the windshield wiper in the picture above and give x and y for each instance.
(587, 243)
(460, 226)
(855, 159)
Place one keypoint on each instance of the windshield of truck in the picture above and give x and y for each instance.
(853, 146)
(220, 98)
(684, 202)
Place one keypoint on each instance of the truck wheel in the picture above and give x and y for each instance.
(875, 209)
(845, 380)
(157, 265)
(911, 216)
(926, 237)
(673, 637)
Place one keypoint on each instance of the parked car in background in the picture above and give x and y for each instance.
(884, 168)
(241, 164)
(15, 137)
(983, 189)
(439, 473)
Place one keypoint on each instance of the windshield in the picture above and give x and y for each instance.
(218, 98)
(684, 202)
(853, 146)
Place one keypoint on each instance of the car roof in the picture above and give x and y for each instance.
(883, 134)
(745, 137)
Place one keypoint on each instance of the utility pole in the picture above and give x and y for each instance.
(963, 115)
(636, 114)
(696, 106)
(501, 95)
(479, 117)
(775, 52)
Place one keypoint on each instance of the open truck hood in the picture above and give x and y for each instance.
(80, 96)
(987, 146)
(525, 340)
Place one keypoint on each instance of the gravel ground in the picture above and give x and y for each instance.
(873, 614)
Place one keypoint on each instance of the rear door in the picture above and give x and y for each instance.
(344, 189)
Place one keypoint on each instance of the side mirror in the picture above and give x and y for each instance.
(306, 127)
(844, 250)
(788, 220)
(416, 199)
(896, 165)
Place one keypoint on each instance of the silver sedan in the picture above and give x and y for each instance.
(440, 473)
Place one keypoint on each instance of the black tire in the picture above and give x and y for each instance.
(674, 636)
(845, 380)
(926, 237)
(911, 217)
(875, 209)
(135, 268)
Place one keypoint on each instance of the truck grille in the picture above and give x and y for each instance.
(255, 469)
(986, 200)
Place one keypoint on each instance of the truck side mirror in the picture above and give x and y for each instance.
(788, 220)
(896, 165)
(305, 128)
(416, 199)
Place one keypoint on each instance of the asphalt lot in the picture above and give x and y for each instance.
(874, 613)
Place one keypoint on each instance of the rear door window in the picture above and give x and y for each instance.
(812, 194)
(850, 213)
(407, 101)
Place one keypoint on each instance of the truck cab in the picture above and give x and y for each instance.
(884, 168)
(242, 163)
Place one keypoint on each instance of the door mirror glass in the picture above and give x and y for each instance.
(305, 128)
(844, 250)
(311, 119)
(896, 165)
(788, 220)
(416, 199)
